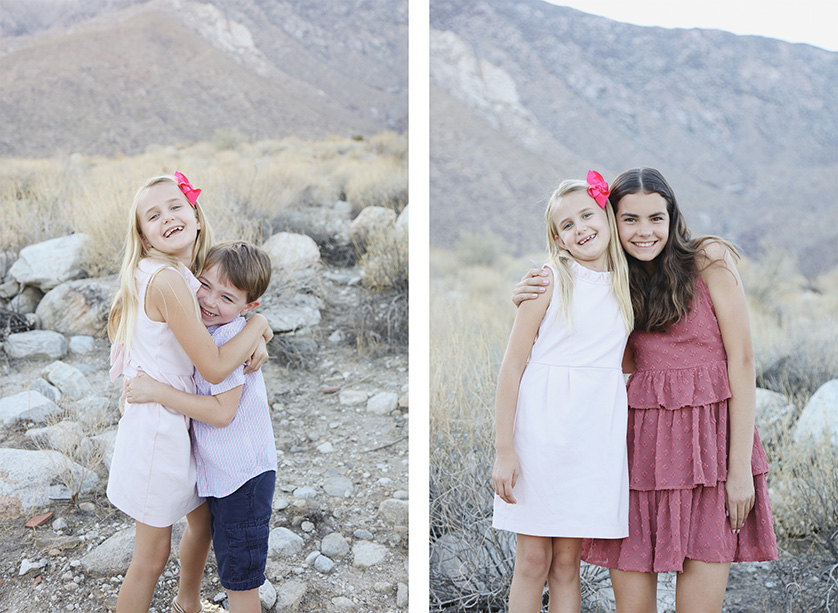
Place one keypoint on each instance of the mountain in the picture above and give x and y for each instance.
(110, 76)
(525, 93)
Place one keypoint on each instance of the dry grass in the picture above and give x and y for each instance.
(794, 325)
(247, 186)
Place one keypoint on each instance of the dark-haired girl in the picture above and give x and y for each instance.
(698, 498)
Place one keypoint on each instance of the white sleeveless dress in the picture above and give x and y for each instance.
(152, 476)
(570, 423)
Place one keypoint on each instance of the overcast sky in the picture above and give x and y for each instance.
(798, 21)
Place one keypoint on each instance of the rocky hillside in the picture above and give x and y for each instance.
(339, 527)
(524, 93)
(114, 76)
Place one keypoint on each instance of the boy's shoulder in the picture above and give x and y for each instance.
(225, 332)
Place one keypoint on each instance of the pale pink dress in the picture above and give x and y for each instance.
(570, 423)
(152, 476)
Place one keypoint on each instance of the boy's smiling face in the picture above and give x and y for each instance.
(220, 301)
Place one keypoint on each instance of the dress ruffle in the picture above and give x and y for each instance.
(682, 449)
(669, 526)
(674, 388)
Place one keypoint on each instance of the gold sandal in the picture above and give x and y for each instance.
(176, 608)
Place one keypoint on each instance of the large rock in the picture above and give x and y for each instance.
(292, 255)
(113, 556)
(78, 307)
(51, 262)
(284, 542)
(26, 301)
(36, 344)
(773, 415)
(27, 406)
(32, 480)
(819, 418)
(68, 379)
(371, 221)
(64, 436)
(299, 311)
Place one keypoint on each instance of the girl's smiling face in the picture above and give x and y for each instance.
(643, 225)
(581, 227)
(168, 222)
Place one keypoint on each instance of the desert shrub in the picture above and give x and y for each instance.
(482, 248)
(804, 497)
(227, 139)
(378, 182)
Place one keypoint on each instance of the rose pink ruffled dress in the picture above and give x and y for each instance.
(677, 449)
(152, 475)
(570, 422)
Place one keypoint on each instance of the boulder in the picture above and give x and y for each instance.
(36, 344)
(819, 418)
(26, 301)
(369, 222)
(35, 479)
(299, 311)
(78, 307)
(291, 254)
(68, 379)
(51, 262)
(774, 413)
(27, 406)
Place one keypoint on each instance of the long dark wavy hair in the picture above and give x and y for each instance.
(664, 296)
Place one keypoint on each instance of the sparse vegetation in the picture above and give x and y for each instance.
(794, 324)
(248, 188)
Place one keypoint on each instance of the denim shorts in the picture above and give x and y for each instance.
(240, 525)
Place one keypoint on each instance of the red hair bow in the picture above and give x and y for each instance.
(190, 192)
(598, 189)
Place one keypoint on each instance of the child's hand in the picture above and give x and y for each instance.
(739, 498)
(258, 359)
(142, 389)
(505, 476)
(530, 286)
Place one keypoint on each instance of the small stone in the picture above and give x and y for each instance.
(310, 558)
(325, 447)
(353, 397)
(366, 554)
(401, 595)
(338, 486)
(59, 524)
(342, 602)
(27, 566)
(400, 495)
(381, 587)
(280, 502)
(362, 534)
(305, 492)
(87, 506)
(307, 526)
(323, 564)
(334, 545)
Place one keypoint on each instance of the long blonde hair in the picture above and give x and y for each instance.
(561, 258)
(123, 314)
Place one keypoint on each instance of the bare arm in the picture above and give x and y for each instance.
(531, 286)
(170, 299)
(218, 410)
(728, 297)
(524, 330)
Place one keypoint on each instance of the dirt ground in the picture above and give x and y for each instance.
(368, 449)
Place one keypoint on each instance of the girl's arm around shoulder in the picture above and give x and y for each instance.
(718, 270)
(170, 300)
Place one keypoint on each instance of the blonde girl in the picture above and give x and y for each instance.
(155, 327)
(561, 472)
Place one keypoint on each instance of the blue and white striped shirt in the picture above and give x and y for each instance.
(228, 457)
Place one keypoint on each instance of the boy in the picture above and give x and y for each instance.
(232, 434)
